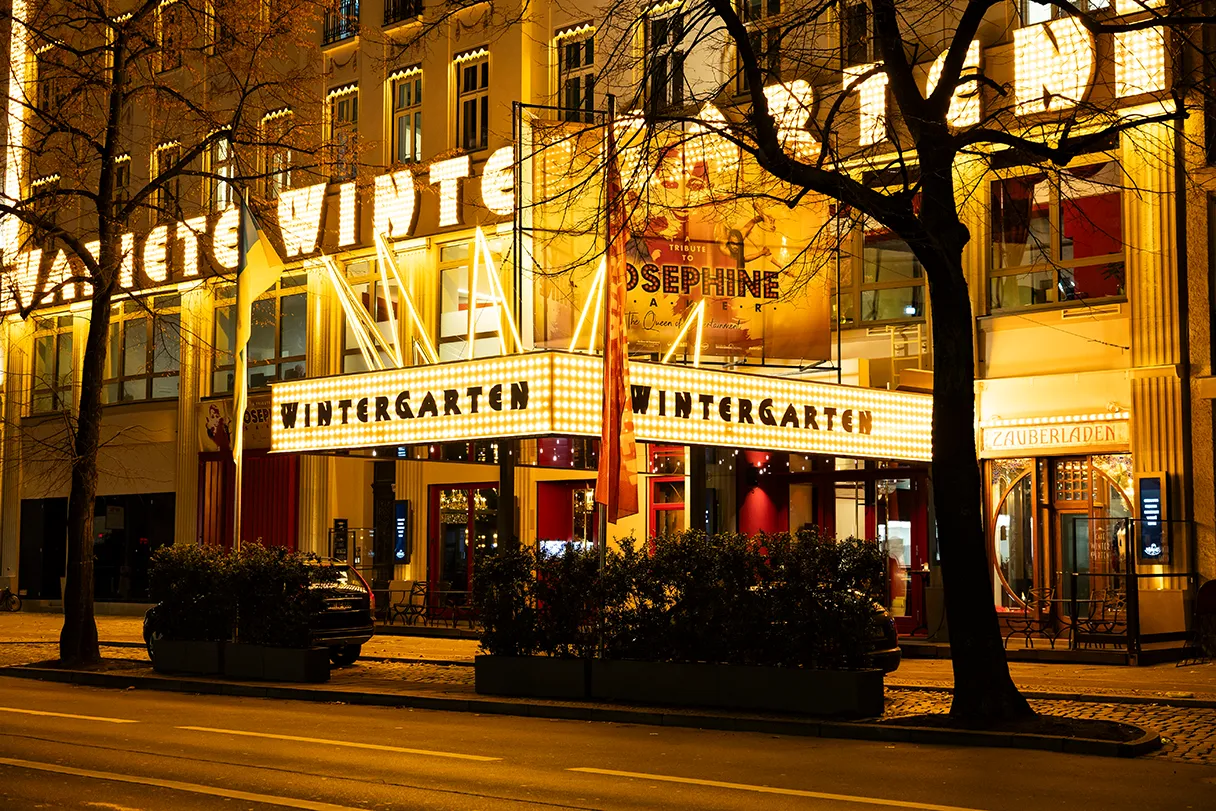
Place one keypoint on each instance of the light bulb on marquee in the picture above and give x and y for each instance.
(965, 102)
(498, 182)
(226, 239)
(1053, 65)
(396, 205)
(790, 106)
(348, 223)
(872, 102)
(1139, 61)
(447, 175)
(156, 266)
(300, 218)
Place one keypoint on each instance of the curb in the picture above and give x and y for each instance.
(1084, 698)
(1147, 742)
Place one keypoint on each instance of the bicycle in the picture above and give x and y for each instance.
(8, 600)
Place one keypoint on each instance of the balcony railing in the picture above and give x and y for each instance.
(397, 10)
(341, 21)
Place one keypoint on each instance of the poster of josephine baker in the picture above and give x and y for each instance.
(709, 242)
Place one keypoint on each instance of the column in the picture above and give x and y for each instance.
(324, 329)
(197, 318)
(14, 350)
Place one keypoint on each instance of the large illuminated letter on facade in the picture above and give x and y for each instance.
(156, 266)
(447, 174)
(790, 106)
(396, 205)
(18, 59)
(498, 182)
(126, 273)
(25, 276)
(1053, 65)
(1139, 61)
(965, 103)
(300, 219)
(189, 231)
(707, 146)
(348, 215)
(226, 239)
(872, 100)
(61, 271)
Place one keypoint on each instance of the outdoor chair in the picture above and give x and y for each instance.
(1035, 621)
(413, 606)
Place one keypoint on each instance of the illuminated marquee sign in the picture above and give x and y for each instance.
(556, 393)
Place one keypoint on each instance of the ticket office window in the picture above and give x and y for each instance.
(278, 338)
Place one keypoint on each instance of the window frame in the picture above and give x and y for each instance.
(276, 179)
(220, 193)
(483, 336)
(55, 328)
(1055, 263)
(170, 20)
(866, 53)
(854, 286)
(131, 311)
(168, 195)
(580, 78)
(371, 278)
(666, 57)
(342, 133)
(223, 361)
(476, 99)
(410, 113)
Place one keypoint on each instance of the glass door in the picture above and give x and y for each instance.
(464, 527)
(900, 521)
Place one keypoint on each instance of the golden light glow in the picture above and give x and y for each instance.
(447, 175)
(698, 315)
(25, 276)
(61, 271)
(46, 180)
(594, 303)
(469, 56)
(387, 259)
(965, 103)
(790, 105)
(706, 144)
(872, 102)
(674, 404)
(348, 230)
(350, 309)
(498, 182)
(482, 249)
(189, 232)
(345, 90)
(226, 239)
(18, 63)
(1072, 418)
(1139, 61)
(401, 73)
(574, 31)
(1134, 6)
(156, 266)
(300, 219)
(126, 271)
(396, 205)
(1053, 65)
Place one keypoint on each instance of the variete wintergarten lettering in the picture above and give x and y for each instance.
(688, 405)
(447, 403)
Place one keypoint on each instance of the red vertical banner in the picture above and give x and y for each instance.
(616, 486)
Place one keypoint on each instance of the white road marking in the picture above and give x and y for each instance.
(351, 744)
(788, 792)
(175, 785)
(69, 715)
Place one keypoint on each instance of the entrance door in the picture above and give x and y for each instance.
(900, 518)
(1074, 554)
(463, 527)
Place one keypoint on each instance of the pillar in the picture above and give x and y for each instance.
(316, 472)
(197, 319)
(14, 351)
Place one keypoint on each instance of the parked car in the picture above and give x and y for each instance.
(884, 641)
(344, 623)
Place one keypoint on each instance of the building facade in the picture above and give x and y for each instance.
(432, 223)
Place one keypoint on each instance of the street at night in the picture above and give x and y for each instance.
(74, 747)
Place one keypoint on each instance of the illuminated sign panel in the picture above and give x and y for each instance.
(556, 393)
(1075, 433)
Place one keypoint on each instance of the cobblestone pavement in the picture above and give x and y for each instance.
(1189, 734)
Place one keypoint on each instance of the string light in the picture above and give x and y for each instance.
(1053, 65)
(300, 218)
(61, 271)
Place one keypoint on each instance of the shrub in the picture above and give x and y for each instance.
(194, 589)
(275, 603)
(802, 600)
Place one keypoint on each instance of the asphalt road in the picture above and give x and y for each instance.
(76, 747)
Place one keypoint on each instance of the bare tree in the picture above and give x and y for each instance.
(890, 112)
(209, 96)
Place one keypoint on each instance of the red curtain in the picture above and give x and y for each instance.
(269, 498)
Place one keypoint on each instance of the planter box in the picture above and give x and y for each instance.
(531, 676)
(856, 693)
(187, 656)
(263, 662)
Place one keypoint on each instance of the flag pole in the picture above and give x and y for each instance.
(237, 429)
(609, 145)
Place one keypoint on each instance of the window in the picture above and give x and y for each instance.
(341, 21)
(376, 302)
(170, 35)
(222, 16)
(144, 358)
(51, 91)
(407, 117)
(765, 40)
(576, 77)
(276, 149)
(473, 100)
(667, 489)
(122, 180)
(167, 197)
(398, 10)
(857, 42)
(52, 384)
(343, 133)
(665, 73)
(455, 278)
(1057, 237)
(278, 340)
(45, 204)
(887, 284)
(221, 170)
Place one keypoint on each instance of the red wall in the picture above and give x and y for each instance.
(269, 498)
(763, 496)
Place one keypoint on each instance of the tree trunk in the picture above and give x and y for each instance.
(78, 639)
(983, 689)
